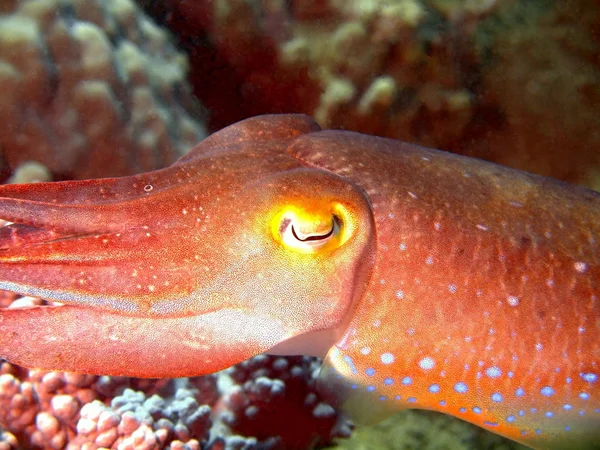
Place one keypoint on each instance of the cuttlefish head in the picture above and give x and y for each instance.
(235, 250)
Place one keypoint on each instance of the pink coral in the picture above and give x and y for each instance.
(512, 82)
(54, 411)
(91, 88)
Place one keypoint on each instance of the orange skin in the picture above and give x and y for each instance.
(428, 280)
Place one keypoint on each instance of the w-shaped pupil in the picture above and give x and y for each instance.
(315, 237)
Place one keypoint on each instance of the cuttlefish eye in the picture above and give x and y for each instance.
(312, 230)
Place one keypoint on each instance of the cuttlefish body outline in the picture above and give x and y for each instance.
(426, 280)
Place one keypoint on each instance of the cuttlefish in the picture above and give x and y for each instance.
(425, 279)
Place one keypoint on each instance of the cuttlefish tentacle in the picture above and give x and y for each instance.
(428, 280)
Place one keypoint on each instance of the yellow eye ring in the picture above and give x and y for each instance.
(312, 230)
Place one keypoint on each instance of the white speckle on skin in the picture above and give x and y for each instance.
(513, 301)
(539, 346)
(400, 295)
(387, 358)
(412, 195)
(482, 227)
(402, 246)
(365, 350)
(580, 267)
(429, 260)
(452, 288)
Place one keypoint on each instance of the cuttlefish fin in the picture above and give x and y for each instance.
(335, 384)
(256, 131)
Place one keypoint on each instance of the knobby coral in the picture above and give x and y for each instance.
(91, 88)
(512, 82)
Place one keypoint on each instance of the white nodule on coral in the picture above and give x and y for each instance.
(380, 94)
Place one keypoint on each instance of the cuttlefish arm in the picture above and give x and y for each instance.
(427, 279)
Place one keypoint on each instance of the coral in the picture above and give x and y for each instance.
(512, 82)
(91, 88)
(391, 68)
(135, 421)
(237, 409)
(545, 77)
(263, 387)
(417, 430)
(8, 441)
(30, 172)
